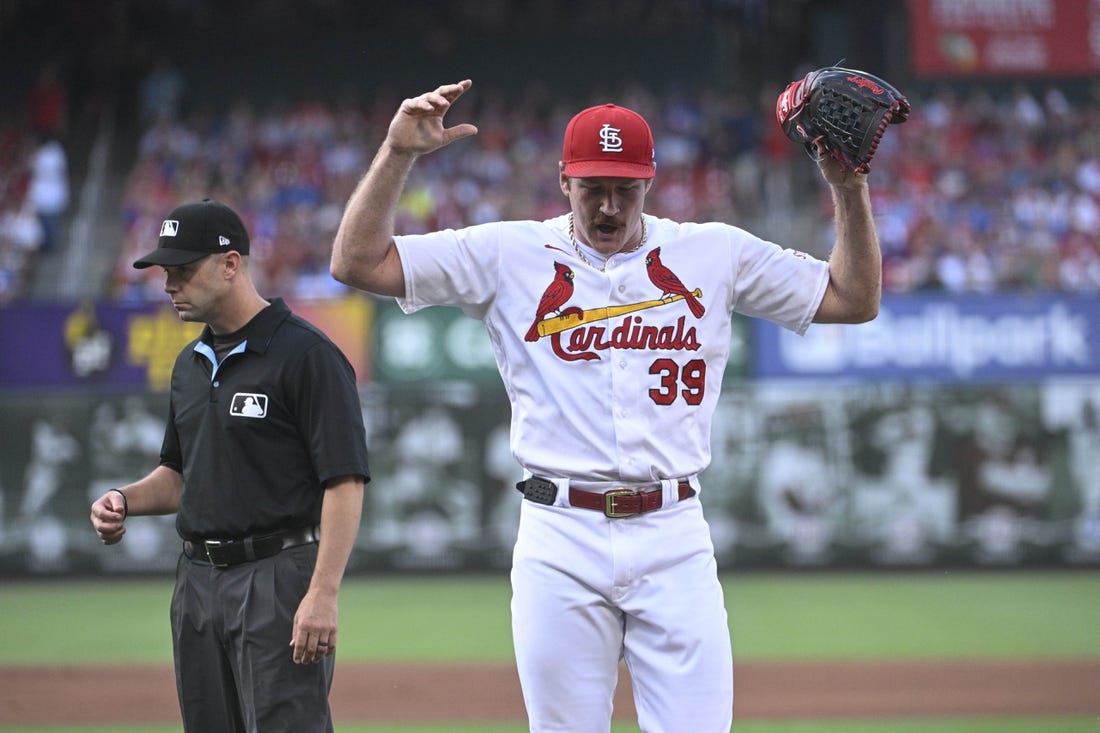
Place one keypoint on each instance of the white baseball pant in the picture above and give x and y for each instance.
(588, 591)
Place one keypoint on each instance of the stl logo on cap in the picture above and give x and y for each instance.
(610, 142)
(169, 228)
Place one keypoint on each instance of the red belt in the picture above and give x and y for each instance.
(625, 502)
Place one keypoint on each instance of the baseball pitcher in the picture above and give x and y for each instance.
(611, 330)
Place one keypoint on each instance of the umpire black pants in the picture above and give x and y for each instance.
(231, 631)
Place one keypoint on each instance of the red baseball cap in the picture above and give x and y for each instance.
(608, 141)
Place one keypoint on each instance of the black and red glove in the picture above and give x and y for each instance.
(846, 111)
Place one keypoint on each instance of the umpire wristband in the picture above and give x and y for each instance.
(125, 504)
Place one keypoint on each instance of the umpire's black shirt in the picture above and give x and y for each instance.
(257, 436)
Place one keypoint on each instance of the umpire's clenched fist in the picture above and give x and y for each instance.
(109, 516)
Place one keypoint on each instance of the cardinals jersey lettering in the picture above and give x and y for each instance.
(652, 333)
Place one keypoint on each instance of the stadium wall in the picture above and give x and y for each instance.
(950, 431)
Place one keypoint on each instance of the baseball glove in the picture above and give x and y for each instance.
(846, 110)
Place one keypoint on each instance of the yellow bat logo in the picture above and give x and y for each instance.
(558, 324)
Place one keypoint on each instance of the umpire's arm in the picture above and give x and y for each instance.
(157, 493)
(341, 512)
(315, 622)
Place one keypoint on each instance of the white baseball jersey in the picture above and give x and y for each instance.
(613, 377)
(616, 377)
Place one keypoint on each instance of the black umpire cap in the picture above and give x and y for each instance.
(193, 231)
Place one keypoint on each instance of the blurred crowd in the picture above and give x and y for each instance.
(979, 191)
(975, 193)
(290, 171)
(34, 183)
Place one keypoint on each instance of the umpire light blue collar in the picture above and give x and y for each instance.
(193, 231)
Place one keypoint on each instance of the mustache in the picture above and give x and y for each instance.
(600, 221)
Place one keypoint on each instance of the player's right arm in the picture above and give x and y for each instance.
(363, 253)
(157, 493)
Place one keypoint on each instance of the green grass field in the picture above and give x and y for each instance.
(949, 615)
(772, 617)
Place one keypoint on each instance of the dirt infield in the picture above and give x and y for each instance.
(431, 693)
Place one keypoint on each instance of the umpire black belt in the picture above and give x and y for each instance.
(224, 553)
(614, 503)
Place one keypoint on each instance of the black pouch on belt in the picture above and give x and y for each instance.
(538, 490)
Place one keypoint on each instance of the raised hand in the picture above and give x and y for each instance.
(836, 173)
(417, 128)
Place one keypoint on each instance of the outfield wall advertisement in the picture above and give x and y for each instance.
(961, 432)
(959, 340)
(804, 474)
(91, 345)
(963, 38)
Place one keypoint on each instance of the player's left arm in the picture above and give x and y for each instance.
(315, 623)
(855, 264)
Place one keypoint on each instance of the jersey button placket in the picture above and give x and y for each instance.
(624, 379)
(623, 401)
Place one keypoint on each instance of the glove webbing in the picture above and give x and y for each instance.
(840, 112)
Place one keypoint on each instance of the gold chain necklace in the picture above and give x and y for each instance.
(602, 268)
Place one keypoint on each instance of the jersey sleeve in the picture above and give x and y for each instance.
(784, 286)
(329, 413)
(171, 455)
(451, 267)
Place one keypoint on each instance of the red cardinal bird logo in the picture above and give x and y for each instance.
(557, 292)
(669, 285)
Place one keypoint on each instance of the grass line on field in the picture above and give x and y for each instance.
(452, 618)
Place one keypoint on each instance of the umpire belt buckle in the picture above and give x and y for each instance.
(212, 548)
(609, 501)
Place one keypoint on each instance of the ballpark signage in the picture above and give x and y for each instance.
(439, 344)
(91, 344)
(948, 339)
(1005, 37)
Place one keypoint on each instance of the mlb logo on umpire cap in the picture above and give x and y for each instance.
(193, 231)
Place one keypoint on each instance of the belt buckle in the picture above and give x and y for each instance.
(210, 545)
(609, 498)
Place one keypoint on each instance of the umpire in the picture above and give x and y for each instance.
(264, 461)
